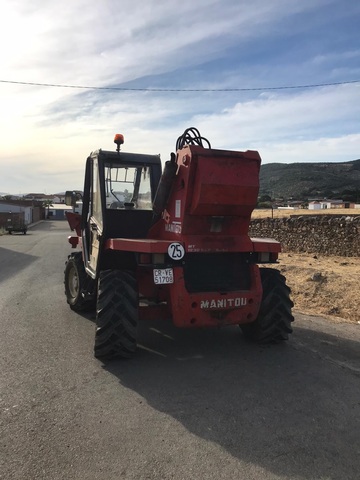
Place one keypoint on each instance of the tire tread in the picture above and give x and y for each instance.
(116, 314)
(273, 324)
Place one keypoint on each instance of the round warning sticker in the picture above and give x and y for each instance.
(176, 251)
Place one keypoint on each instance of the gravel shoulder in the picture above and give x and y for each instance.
(326, 286)
(321, 285)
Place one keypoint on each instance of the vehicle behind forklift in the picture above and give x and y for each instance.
(16, 223)
(174, 245)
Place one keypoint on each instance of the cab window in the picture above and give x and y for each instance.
(127, 187)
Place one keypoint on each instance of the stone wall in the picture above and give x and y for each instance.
(323, 234)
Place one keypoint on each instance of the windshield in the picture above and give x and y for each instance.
(127, 187)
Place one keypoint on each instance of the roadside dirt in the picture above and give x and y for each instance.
(327, 286)
(320, 285)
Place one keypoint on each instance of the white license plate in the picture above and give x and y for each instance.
(163, 275)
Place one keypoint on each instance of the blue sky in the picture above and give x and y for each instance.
(47, 132)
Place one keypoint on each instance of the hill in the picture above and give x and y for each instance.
(302, 181)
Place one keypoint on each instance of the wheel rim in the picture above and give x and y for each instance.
(73, 283)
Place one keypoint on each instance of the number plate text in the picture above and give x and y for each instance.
(163, 275)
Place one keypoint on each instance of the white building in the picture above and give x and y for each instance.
(315, 205)
(9, 207)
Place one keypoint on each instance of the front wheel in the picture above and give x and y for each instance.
(116, 314)
(273, 323)
(78, 285)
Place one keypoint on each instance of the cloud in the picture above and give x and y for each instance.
(47, 132)
(275, 117)
(114, 41)
(312, 125)
(336, 149)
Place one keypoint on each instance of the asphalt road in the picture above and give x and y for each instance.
(191, 404)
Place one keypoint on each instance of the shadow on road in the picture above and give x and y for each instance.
(12, 262)
(48, 225)
(282, 407)
(15, 234)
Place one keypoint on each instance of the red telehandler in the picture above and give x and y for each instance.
(173, 245)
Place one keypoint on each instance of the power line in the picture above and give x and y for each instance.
(124, 89)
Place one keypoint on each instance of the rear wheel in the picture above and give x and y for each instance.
(78, 285)
(116, 314)
(273, 323)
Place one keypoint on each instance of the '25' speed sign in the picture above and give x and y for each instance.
(176, 251)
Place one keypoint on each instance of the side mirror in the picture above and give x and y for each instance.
(71, 197)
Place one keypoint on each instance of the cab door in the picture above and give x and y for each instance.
(92, 218)
(96, 219)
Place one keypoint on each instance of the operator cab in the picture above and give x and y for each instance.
(119, 191)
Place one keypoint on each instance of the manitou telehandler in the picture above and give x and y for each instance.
(173, 245)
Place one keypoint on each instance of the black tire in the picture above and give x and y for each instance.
(273, 323)
(117, 314)
(78, 285)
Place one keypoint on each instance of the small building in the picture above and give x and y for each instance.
(59, 198)
(315, 205)
(332, 204)
(20, 206)
(57, 211)
(43, 197)
(328, 204)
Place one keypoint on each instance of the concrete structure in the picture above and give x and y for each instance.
(18, 207)
(57, 211)
(315, 205)
(32, 211)
(329, 203)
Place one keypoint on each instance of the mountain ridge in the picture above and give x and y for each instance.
(301, 181)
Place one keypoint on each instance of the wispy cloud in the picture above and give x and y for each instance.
(171, 44)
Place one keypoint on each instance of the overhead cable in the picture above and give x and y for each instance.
(125, 89)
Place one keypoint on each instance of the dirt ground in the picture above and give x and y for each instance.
(327, 286)
(320, 285)
(280, 213)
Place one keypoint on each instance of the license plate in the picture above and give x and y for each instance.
(163, 275)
